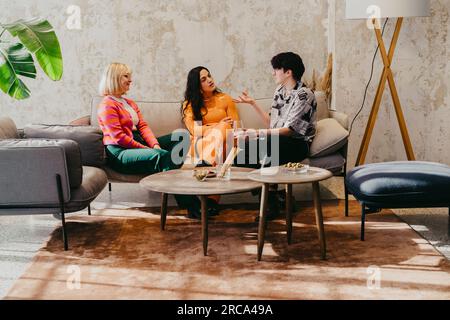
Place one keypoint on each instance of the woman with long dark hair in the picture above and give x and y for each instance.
(208, 114)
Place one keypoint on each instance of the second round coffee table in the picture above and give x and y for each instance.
(182, 182)
(275, 175)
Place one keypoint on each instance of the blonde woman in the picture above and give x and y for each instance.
(131, 146)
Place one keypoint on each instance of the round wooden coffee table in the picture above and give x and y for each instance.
(280, 175)
(182, 182)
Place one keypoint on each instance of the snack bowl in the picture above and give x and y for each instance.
(202, 174)
(296, 167)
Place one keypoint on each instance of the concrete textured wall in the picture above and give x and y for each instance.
(161, 41)
(421, 71)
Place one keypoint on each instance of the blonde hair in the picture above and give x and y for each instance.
(110, 82)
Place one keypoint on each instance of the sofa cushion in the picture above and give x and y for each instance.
(162, 117)
(333, 162)
(89, 139)
(8, 129)
(401, 184)
(330, 137)
(71, 149)
(115, 176)
(165, 117)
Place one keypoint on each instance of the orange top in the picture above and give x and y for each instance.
(219, 106)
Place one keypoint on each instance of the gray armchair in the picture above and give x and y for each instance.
(44, 176)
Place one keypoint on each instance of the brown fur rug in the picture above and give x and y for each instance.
(123, 254)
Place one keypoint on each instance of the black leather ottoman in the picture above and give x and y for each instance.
(399, 184)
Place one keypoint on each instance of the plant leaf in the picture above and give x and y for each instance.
(38, 36)
(15, 60)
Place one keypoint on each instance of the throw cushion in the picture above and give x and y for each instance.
(330, 137)
(83, 121)
(322, 105)
(89, 138)
(8, 129)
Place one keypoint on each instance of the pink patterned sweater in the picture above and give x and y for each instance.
(116, 124)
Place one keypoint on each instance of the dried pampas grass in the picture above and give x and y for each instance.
(322, 82)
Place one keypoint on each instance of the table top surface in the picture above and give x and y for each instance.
(183, 182)
(280, 174)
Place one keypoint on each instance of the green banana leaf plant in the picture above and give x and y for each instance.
(36, 36)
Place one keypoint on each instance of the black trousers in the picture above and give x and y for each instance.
(277, 150)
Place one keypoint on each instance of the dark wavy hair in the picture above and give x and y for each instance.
(193, 95)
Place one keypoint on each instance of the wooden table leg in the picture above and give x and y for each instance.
(262, 219)
(204, 225)
(319, 219)
(163, 210)
(289, 212)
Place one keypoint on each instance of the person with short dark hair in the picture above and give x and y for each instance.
(292, 117)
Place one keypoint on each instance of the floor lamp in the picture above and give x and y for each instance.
(372, 10)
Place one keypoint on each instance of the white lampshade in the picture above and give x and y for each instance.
(365, 9)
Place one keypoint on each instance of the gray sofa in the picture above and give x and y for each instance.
(44, 176)
(328, 150)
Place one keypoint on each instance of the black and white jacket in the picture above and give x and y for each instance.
(297, 111)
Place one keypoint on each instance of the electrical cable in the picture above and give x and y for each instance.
(368, 83)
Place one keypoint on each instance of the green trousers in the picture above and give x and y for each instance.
(149, 161)
(142, 161)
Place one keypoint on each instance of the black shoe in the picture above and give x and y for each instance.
(185, 201)
(273, 207)
(194, 213)
(273, 204)
(256, 192)
(194, 208)
(213, 207)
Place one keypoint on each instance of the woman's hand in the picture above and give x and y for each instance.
(156, 146)
(245, 98)
(227, 120)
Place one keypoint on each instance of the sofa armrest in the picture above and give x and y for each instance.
(28, 173)
(340, 117)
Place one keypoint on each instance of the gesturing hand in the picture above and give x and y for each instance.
(156, 146)
(245, 98)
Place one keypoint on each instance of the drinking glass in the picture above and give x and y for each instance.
(227, 173)
(238, 127)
